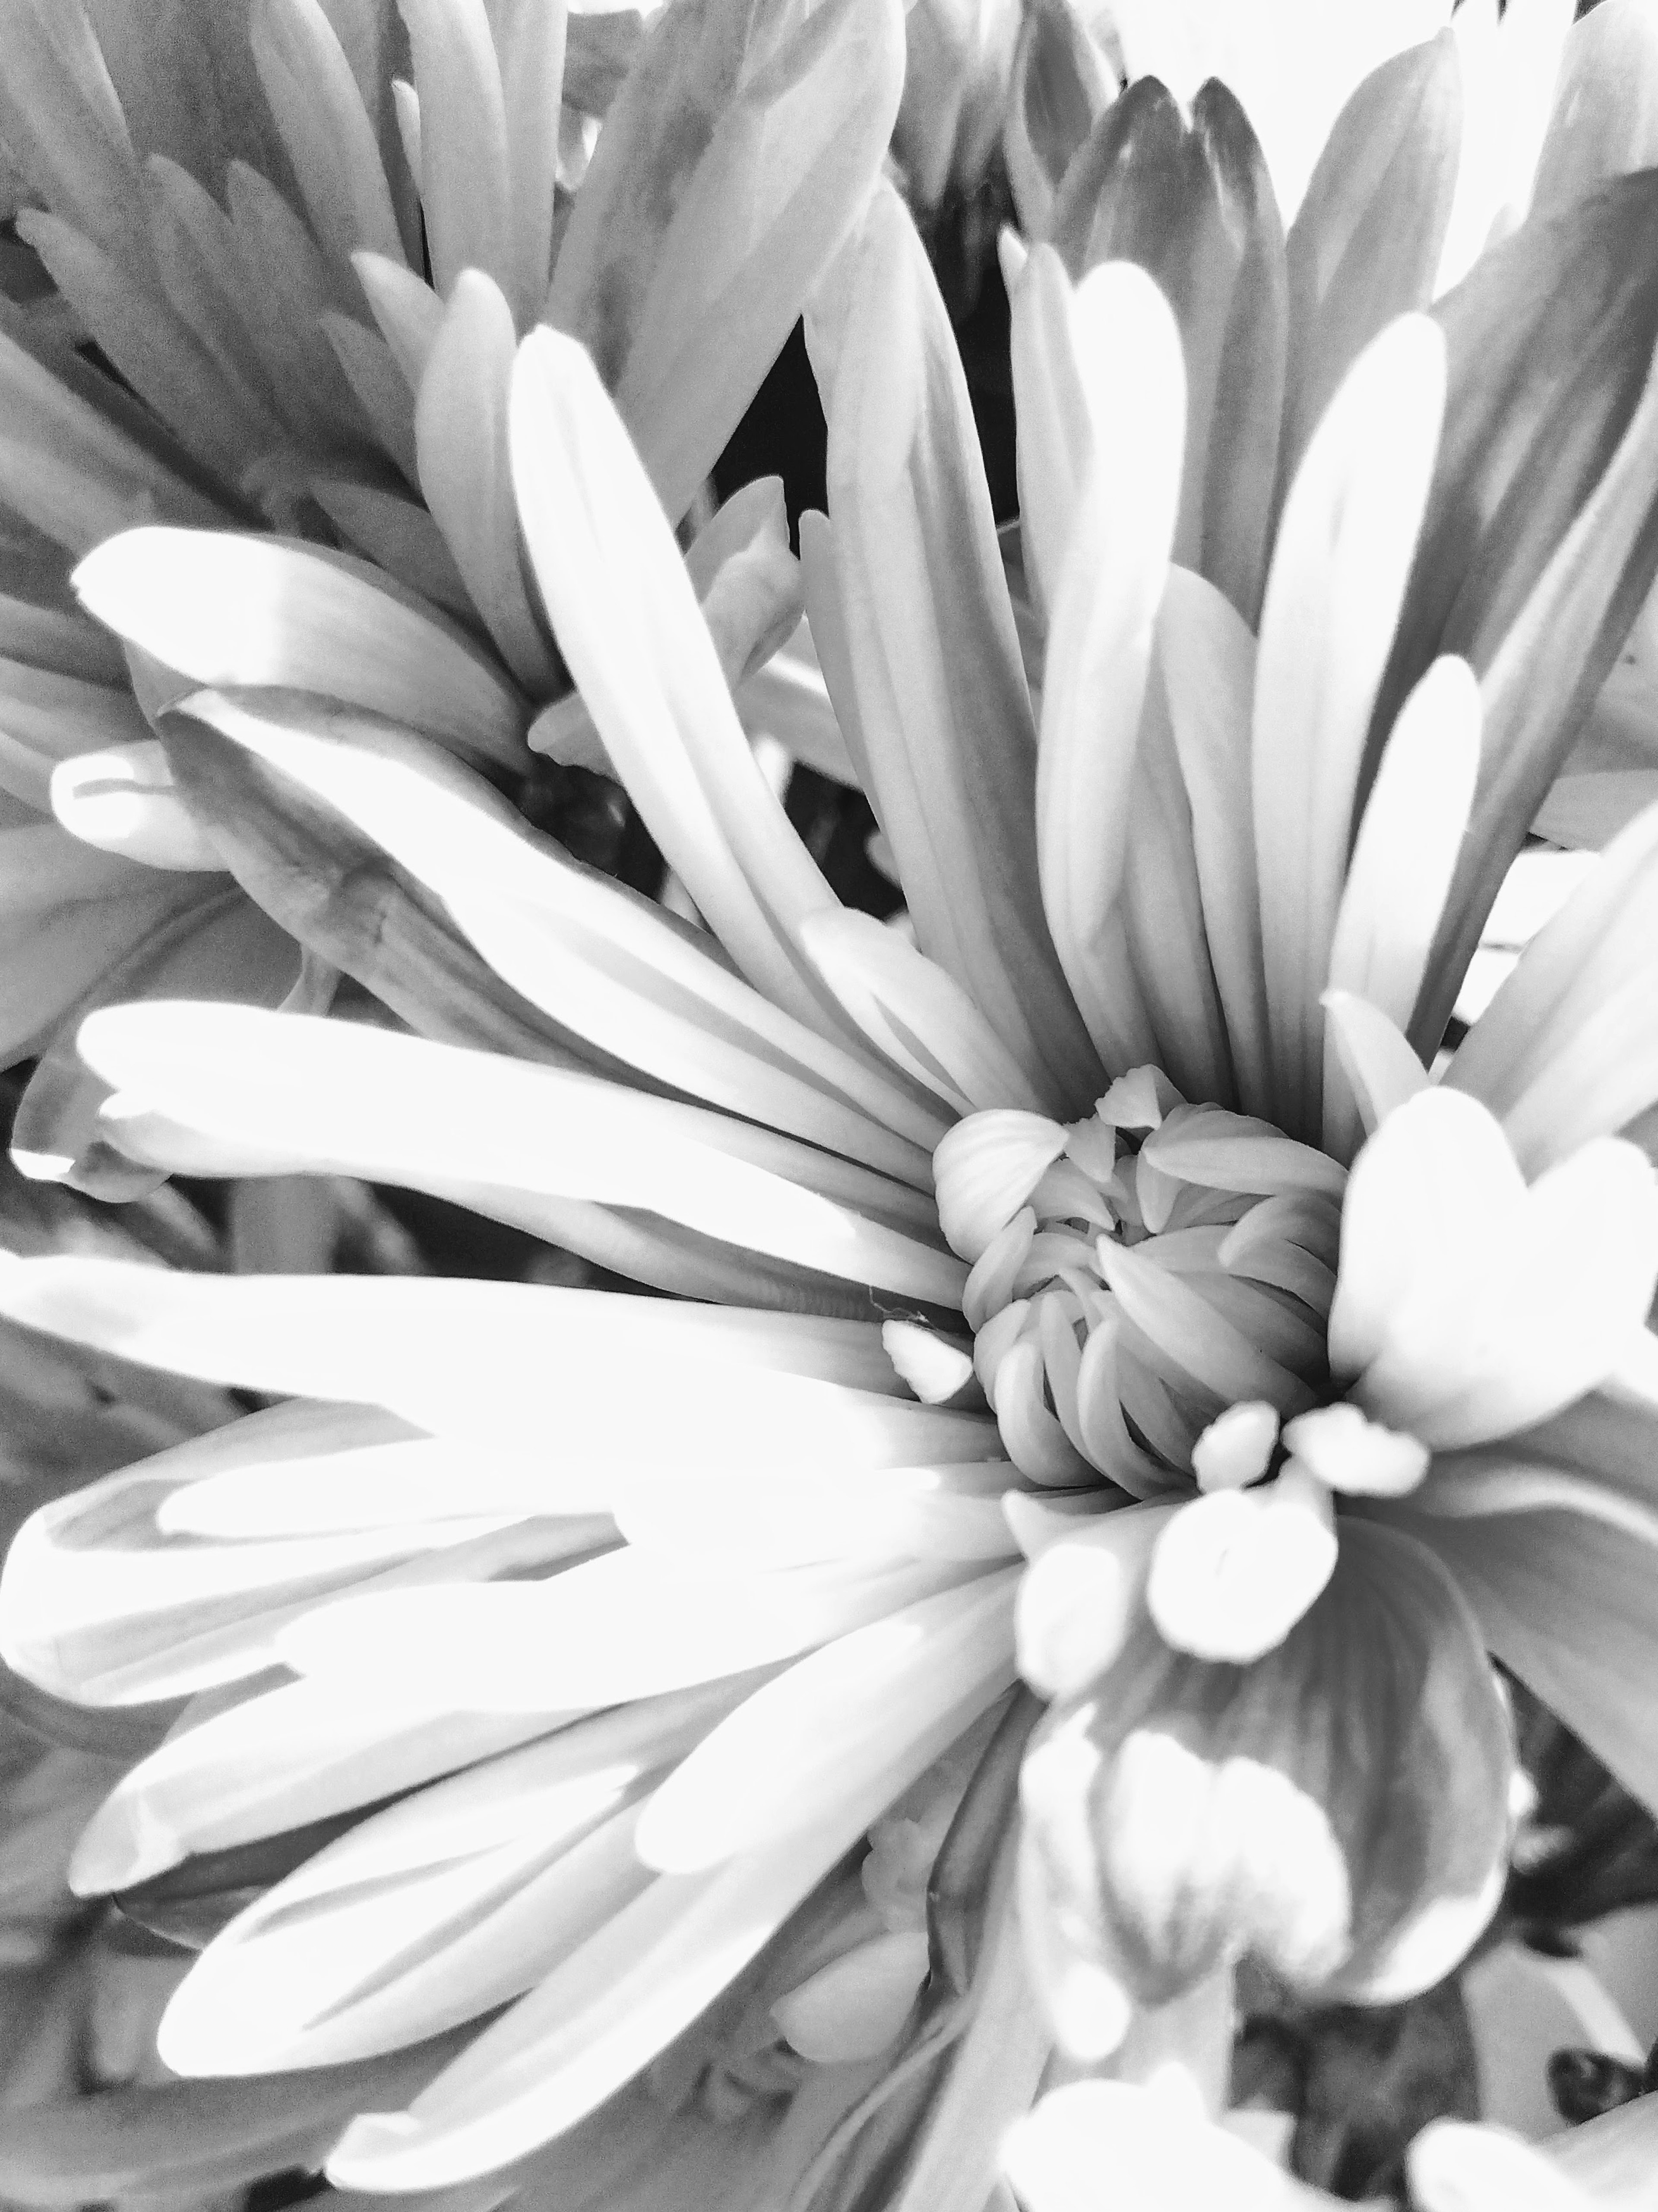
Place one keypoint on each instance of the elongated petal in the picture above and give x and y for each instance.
(1100, 650)
(72, 467)
(465, 180)
(1404, 857)
(1564, 1052)
(154, 349)
(939, 694)
(391, 1340)
(1601, 127)
(1344, 553)
(1191, 203)
(281, 1759)
(1376, 1059)
(1533, 701)
(784, 1757)
(530, 37)
(460, 435)
(196, 2136)
(1366, 245)
(607, 965)
(61, 114)
(481, 1884)
(1056, 415)
(326, 129)
(630, 1624)
(1206, 657)
(604, 554)
(914, 1013)
(232, 1074)
(727, 172)
(45, 718)
(1562, 1599)
(1060, 84)
(214, 943)
(260, 611)
(609, 2009)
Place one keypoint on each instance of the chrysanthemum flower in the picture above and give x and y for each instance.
(307, 241)
(645, 1666)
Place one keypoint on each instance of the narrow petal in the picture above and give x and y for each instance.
(1100, 650)
(391, 1340)
(1534, 700)
(630, 1624)
(280, 1760)
(1376, 1062)
(939, 697)
(464, 183)
(277, 1087)
(602, 965)
(245, 610)
(460, 439)
(1404, 857)
(320, 113)
(1564, 1052)
(197, 2137)
(531, 37)
(1207, 660)
(1564, 1600)
(789, 1751)
(1366, 244)
(597, 2019)
(441, 1907)
(603, 553)
(729, 166)
(1344, 552)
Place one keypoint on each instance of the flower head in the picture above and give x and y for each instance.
(1117, 1220)
(305, 242)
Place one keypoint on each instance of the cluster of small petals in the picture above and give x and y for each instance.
(1147, 1265)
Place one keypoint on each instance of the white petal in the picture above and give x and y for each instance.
(1344, 552)
(786, 1754)
(1233, 1573)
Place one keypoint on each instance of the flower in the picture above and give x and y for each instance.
(305, 241)
(527, 1669)
(1390, 195)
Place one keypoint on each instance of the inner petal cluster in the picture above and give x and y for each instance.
(1137, 1274)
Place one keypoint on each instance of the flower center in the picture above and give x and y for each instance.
(1137, 1274)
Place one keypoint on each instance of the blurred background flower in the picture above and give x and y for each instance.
(289, 252)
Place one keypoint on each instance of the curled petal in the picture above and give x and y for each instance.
(1338, 1809)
